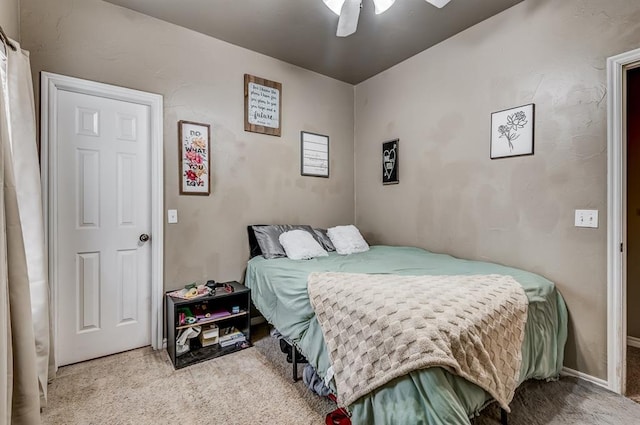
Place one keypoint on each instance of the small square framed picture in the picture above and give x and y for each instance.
(390, 151)
(512, 132)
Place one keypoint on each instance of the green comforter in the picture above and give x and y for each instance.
(430, 396)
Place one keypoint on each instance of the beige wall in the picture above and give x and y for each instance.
(10, 18)
(452, 198)
(256, 178)
(633, 203)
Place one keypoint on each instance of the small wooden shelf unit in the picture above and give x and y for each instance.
(220, 300)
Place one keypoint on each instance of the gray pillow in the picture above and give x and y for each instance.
(268, 238)
(321, 235)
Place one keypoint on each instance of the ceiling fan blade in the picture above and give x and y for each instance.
(348, 22)
(439, 3)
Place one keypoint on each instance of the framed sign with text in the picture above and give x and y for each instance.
(314, 154)
(195, 172)
(262, 105)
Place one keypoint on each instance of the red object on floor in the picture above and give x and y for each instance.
(338, 416)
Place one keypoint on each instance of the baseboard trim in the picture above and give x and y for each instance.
(633, 341)
(581, 375)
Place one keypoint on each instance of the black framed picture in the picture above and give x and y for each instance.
(390, 162)
(314, 154)
(512, 132)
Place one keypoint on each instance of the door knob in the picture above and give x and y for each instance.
(144, 237)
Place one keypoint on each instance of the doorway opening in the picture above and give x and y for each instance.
(617, 68)
(632, 126)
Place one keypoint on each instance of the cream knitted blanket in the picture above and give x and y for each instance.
(380, 327)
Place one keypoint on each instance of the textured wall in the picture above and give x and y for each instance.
(10, 18)
(256, 178)
(452, 198)
(633, 203)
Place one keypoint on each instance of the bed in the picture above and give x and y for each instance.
(427, 396)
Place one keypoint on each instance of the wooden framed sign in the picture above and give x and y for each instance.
(195, 172)
(262, 105)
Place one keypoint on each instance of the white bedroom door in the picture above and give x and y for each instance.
(103, 254)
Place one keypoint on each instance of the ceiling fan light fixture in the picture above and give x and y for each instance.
(349, 12)
(381, 6)
(334, 5)
(439, 3)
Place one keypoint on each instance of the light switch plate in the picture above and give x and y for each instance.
(172, 216)
(587, 218)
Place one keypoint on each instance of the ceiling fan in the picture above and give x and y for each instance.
(349, 12)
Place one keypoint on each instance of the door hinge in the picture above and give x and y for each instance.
(621, 247)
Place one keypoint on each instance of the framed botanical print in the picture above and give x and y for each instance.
(512, 132)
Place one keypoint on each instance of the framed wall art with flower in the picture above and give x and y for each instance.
(195, 173)
(512, 132)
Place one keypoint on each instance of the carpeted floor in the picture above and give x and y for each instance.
(633, 374)
(254, 386)
(140, 387)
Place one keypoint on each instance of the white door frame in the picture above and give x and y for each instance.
(616, 220)
(50, 85)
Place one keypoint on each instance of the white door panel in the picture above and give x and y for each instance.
(103, 204)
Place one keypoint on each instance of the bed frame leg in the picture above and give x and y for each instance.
(294, 355)
(504, 420)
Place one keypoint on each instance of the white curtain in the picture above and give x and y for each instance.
(18, 104)
(25, 159)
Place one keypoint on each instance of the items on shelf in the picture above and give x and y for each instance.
(222, 286)
(183, 341)
(202, 314)
(191, 291)
(209, 336)
(185, 317)
(231, 336)
(220, 313)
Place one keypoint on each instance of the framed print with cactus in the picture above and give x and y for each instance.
(194, 158)
(512, 132)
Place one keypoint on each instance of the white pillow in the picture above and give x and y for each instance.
(300, 245)
(347, 239)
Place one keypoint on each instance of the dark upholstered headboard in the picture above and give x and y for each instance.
(254, 248)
